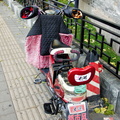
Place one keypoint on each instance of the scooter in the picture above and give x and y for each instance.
(67, 83)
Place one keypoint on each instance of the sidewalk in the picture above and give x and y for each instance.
(20, 99)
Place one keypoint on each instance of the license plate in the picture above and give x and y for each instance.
(77, 111)
(108, 118)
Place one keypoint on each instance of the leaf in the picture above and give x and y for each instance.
(104, 50)
(35, 76)
(92, 41)
(113, 63)
(110, 107)
(109, 112)
(114, 58)
(86, 40)
(105, 99)
(21, 78)
(102, 110)
(1, 60)
(25, 27)
(97, 110)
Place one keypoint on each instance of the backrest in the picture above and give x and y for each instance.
(80, 76)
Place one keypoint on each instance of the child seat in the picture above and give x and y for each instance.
(76, 77)
(74, 82)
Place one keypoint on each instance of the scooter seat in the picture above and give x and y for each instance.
(58, 44)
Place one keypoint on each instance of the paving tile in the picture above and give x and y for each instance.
(23, 115)
(36, 114)
(11, 116)
(2, 77)
(4, 96)
(30, 114)
(6, 108)
(19, 116)
(3, 86)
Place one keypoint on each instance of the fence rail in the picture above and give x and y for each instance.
(92, 32)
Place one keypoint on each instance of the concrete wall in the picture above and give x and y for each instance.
(106, 9)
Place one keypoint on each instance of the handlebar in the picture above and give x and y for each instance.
(32, 11)
(64, 68)
(65, 60)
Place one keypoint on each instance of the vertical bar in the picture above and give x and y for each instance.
(118, 66)
(75, 29)
(24, 3)
(43, 4)
(101, 51)
(89, 37)
(82, 33)
(76, 3)
(55, 3)
(67, 22)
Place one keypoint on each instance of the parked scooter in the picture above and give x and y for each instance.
(67, 83)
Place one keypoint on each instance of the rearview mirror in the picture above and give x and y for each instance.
(73, 12)
(29, 12)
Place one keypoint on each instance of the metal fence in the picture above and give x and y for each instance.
(92, 32)
(30, 2)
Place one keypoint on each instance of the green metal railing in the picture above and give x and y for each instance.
(92, 32)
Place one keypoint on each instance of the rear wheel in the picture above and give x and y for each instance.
(61, 117)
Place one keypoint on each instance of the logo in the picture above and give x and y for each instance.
(77, 108)
(81, 78)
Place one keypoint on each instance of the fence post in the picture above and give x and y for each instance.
(55, 3)
(82, 33)
(24, 3)
(43, 4)
(76, 3)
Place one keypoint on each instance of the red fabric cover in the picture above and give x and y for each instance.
(32, 50)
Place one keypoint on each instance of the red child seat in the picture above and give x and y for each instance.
(73, 79)
(80, 76)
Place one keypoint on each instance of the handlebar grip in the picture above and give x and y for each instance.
(55, 56)
(76, 52)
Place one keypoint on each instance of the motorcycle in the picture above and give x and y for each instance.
(67, 83)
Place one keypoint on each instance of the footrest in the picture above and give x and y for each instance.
(37, 81)
(49, 108)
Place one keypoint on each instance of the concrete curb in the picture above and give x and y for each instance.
(16, 8)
